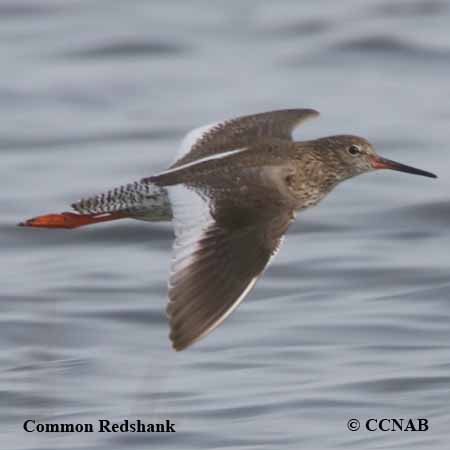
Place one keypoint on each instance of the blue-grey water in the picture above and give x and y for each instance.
(352, 320)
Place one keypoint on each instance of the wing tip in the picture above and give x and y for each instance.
(179, 344)
(179, 347)
(311, 112)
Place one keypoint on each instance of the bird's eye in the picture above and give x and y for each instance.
(354, 150)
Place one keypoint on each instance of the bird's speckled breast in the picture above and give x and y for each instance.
(312, 182)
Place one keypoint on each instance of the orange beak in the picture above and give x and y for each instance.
(382, 163)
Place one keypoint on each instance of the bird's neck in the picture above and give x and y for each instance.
(318, 172)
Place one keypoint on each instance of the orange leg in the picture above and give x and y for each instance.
(70, 220)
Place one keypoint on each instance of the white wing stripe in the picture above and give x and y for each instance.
(202, 160)
(229, 310)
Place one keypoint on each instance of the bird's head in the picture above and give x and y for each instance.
(355, 155)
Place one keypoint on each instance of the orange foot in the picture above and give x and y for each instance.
(70, 220)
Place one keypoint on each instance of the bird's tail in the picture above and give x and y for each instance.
(69, 220)
(139, 200)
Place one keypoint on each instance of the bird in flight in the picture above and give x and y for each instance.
(231, 194)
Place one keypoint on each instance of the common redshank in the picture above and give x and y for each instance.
(231, 193)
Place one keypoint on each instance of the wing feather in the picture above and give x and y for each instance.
(220, 250)
(207, 290)
(240, 132)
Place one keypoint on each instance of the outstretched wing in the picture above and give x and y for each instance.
(224, 240)
(239, 133)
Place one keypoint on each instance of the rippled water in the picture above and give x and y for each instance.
(351, 320)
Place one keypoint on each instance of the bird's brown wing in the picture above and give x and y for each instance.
(225, 238)
(239, 133)
(216, 275)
